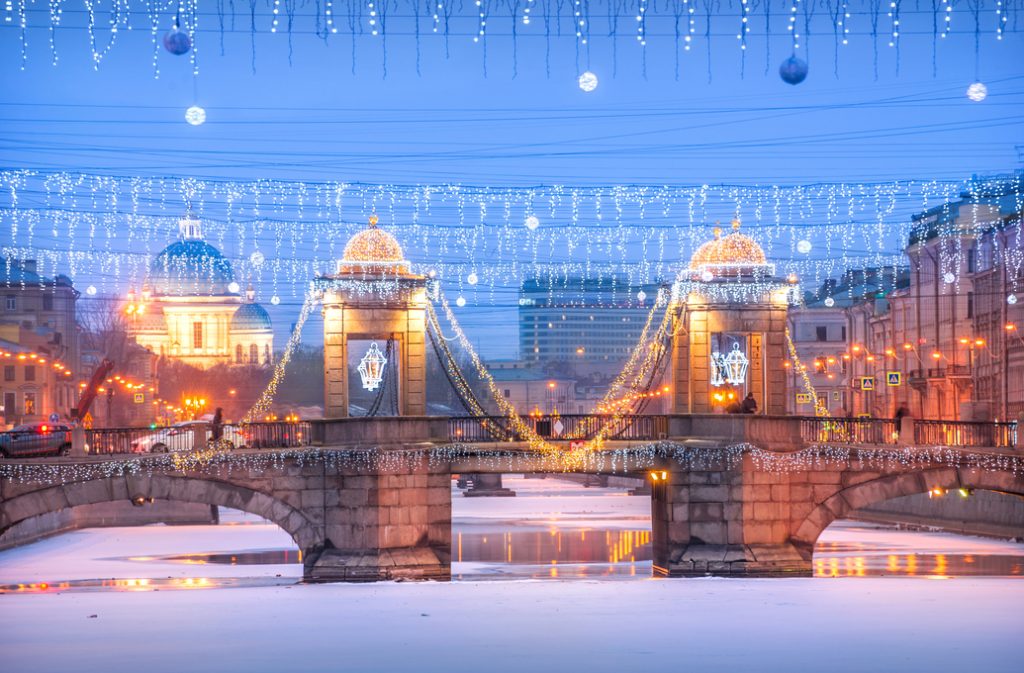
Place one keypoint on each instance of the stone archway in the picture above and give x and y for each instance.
(871, 492)
(176, 489)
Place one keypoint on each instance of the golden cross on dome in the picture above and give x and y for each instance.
(717, 230)
(373, 220)
(735, 224)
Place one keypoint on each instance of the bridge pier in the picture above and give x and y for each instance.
(725, 520)
(383, 525)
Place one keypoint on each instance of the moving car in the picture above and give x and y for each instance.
(36, 439)
(180, 437)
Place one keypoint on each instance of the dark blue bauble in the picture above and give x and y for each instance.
(793, 70)
(177, 41)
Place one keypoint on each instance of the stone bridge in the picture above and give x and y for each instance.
(370, 500)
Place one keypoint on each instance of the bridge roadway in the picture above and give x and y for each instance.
(370, 500)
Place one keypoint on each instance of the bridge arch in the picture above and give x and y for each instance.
(48, 499)
(874, 491)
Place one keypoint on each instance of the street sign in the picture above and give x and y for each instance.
(54, 417)
(140, 398)
(803, 398)
(894, 378)
(867, 383)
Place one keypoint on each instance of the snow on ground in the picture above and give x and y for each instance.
(863, 624)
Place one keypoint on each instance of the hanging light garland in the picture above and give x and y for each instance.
(176, 28)
(819, 406)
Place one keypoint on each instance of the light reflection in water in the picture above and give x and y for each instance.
(142, 584)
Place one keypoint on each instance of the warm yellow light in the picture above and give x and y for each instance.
(1010, 327)
(964, 340)
(936, 355)
(856, 348)
(979, 342)
(907, 347)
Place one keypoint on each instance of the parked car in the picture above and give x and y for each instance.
(36, 439)
(180, 437)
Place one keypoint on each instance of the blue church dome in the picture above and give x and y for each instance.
(250, 318)
(190, 267)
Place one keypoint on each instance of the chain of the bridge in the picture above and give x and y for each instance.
(649, 353)
(266, 398)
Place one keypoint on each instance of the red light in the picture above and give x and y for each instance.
(44, 428)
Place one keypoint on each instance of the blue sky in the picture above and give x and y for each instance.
(314, 119)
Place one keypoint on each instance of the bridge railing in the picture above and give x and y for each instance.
(822, 429)
(965, 433)
(568, 427)
(262, 435)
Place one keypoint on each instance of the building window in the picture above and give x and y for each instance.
(239, 358)
(8, 372)
(30, 372)
(266, 354)
(970, 261)
(821, 332)
(12, 302)
(30, 404)
(508, 393)
(843, 332)
(254, 354)
(47, 302)
(970, 304)
(197, 335)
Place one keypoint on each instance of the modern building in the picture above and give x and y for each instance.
(584, 326)
(39, 344)
(191, 307)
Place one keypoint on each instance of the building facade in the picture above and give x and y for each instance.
(39, 343)
(945, 340)
(191, 307)
(589, 326)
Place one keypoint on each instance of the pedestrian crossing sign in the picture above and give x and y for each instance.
(894, 378)
(140, 398)
(867, 383)
(803, 398)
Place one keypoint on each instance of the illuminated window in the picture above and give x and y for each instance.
(254, 354)
(239, 358)
(197, 335)
(30, 404)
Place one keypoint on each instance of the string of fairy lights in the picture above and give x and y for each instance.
(621, 460)
(182, 29)
(481, 242)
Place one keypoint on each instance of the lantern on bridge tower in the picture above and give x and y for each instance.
(374, 297)
(371, 367)
(733, 311)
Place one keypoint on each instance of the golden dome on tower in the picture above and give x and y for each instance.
(373, 250)
(730, 251)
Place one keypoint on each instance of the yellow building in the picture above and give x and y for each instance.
(191, 307)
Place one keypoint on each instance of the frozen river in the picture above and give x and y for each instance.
(226, 598)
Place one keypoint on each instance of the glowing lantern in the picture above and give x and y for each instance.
(371, 367)
(731, 368)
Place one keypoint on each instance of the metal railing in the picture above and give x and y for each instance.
(848, 430)
(965, 433)
(262, 435)
(569, 427)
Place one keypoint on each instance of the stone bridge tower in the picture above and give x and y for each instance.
(730, 337)
(375, 323)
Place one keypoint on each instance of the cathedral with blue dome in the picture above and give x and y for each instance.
(192, 308)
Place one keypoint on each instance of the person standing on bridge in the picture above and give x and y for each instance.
(749, 404)
(217, 425)
(901, 412)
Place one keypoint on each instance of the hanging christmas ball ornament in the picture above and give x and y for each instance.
(641, 296)
(1011, 300)
(472, 278)
(793, 70)
(275, 300)
(460, 302)
(233, 287)
(803, 246)
(257, 258)
(977, 92)
(830, 302)
(532, 223)
(707, 276)
(91, 290)
(177, 41)
(588, 81)
(195, 115)
(949, 278)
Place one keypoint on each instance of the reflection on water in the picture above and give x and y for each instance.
(853, 559)
(144, 584)
(554, 553)
(242, 558)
